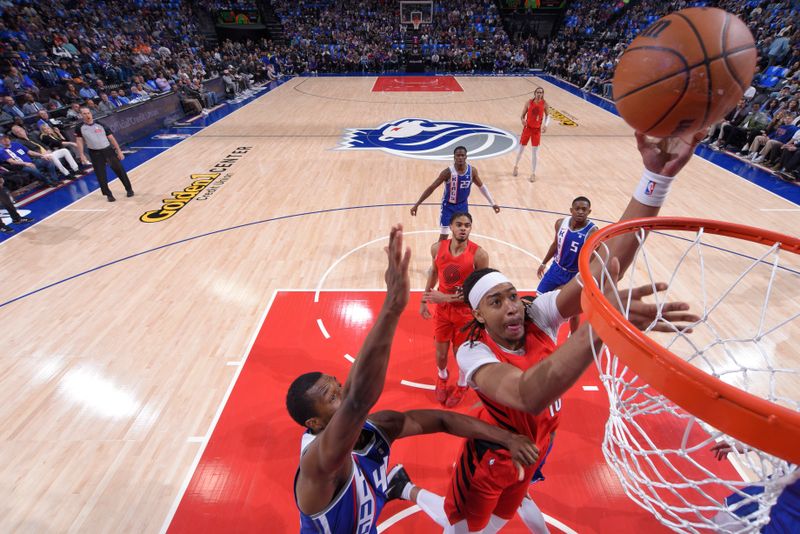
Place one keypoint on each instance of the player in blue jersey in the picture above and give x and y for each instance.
(343, 479)
(571, 233)
(784, 516)
(457, 180)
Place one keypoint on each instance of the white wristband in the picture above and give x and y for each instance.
(546, 120)
(485, 192)
(653, 189)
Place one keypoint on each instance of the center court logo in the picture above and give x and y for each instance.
(430, 139)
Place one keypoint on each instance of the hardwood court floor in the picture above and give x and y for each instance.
(111, 379)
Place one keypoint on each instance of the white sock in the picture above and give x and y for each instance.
(406, 493)
(443, 373)
(532, 516)
(534, 150)
(495, 524)
(519, 154)
(433, 506)
(462, 378)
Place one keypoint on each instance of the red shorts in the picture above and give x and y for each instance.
(449, 319)
(532, 134)
(485, 482)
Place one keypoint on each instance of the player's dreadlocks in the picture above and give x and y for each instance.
(474, 328)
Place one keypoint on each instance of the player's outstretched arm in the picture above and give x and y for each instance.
(329, 452)
(662, 162)
(398, 425)
(539, 386)
(444, 175)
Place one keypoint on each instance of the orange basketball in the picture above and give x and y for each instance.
(684, 72)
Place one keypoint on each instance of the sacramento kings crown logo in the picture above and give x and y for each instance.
(429, 139)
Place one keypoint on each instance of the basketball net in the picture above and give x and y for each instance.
(747, 297)
(416, 19)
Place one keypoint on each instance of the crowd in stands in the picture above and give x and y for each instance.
(110, 55)
(353, 36)
(60, 56)
(764, 128)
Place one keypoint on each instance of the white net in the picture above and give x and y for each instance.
(748, 297)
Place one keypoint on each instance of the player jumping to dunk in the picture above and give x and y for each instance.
(512, 362)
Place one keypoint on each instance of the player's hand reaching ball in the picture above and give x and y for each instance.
(669, 155)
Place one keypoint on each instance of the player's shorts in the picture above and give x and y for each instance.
(555, 277)
(538, 476)
(485, 482)
(534, 135)
(747, 509)
(449, 319)
(448, 210)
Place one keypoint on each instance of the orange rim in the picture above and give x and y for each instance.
(762, 424)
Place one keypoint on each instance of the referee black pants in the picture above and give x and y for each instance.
(99, 160)
(8, 203)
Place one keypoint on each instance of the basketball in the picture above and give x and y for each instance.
(684, 72)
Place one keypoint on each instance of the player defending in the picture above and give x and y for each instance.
(342, 482)
(571, 233)
(457, 180)
(453, 260)
(784, 516)
(535, 119)
(512, 362)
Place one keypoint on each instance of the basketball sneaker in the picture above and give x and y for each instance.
(397, 481)
(456, 397)
(532, 177)
(516, 171)
(441, 390)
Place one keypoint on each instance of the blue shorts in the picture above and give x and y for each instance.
(538, 475)
(784, 517)
(747, 509)
(555, 277)
(448, 210)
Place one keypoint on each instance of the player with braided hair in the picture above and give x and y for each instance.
(511, 360)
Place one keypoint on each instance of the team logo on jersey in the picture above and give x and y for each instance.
(429, 139)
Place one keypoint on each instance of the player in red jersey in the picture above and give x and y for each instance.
(453, 260)
(512, 362)
(534, 120)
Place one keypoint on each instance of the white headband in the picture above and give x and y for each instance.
(483, 286)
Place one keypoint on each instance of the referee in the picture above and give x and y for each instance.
(100, 140)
